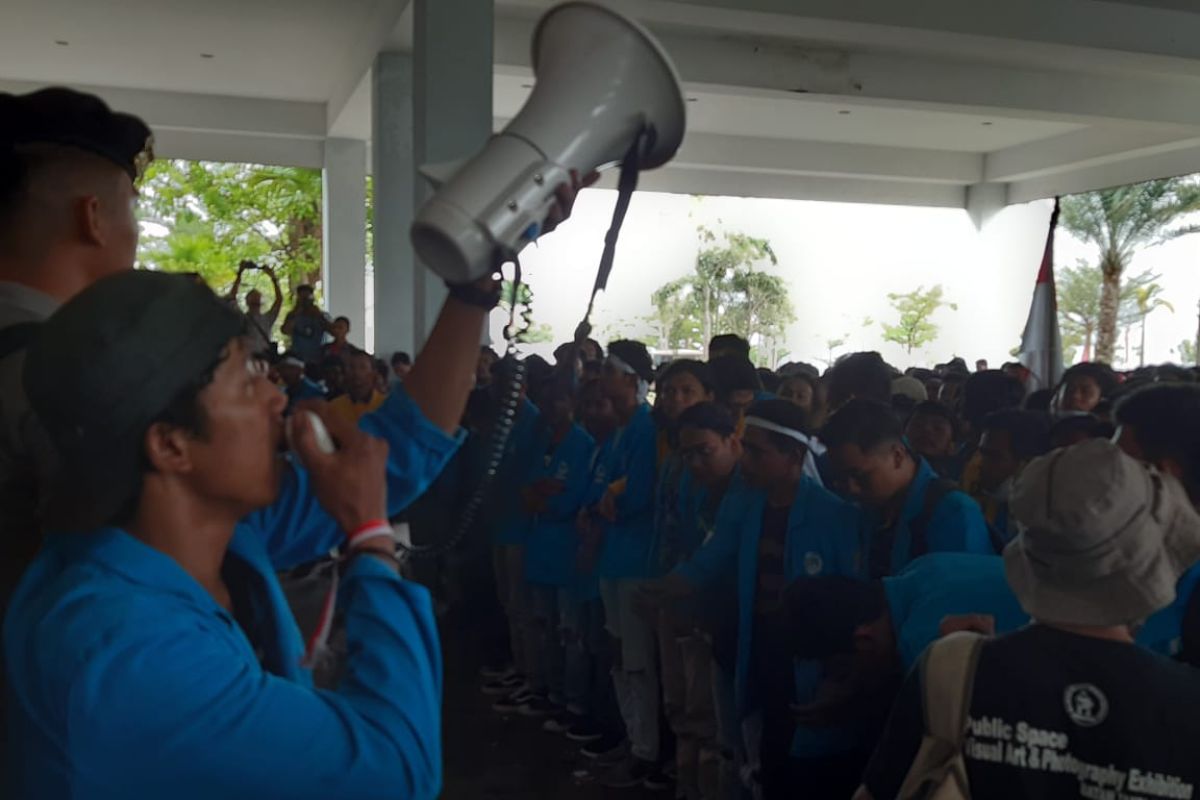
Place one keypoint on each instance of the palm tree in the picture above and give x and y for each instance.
(1148, 301)
(1120, 221)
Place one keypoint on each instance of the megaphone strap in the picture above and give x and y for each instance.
(626, 186)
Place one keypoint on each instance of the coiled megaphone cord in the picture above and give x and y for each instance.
(502, 426)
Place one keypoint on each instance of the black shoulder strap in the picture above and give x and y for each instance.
(17, 337)
(919, 528)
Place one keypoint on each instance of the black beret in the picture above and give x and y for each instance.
(66, 117)
(108, 363)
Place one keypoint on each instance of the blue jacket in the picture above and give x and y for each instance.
(941, 584)
(957, 524)
(511, 524)
(126, 678)
(553, 544)
(824, 537)
(632, 456)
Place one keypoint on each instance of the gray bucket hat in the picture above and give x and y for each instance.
(1104, 538)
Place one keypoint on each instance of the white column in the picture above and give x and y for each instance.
(394, 178)
(452, 105)
(344, 232)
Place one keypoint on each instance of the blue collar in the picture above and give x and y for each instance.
(139, 563)
(134, 560)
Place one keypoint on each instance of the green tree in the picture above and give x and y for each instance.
(674, 320)
(916, 308)
(724, 293)
(1148, 301)
(216, 214)
(761, 305)
(1079, 289)
(1120, 221)
(1187, 352)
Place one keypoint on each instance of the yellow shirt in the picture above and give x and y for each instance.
(352, 411)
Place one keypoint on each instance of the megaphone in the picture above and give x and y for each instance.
(603, 83)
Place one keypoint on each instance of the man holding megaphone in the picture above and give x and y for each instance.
(149, 648)
(150, 651)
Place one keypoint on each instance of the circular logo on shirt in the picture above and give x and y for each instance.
(813, 563)
(1086, 705)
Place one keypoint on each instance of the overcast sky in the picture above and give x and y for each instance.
(841, 260)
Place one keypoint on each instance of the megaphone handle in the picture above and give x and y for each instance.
(626, 186)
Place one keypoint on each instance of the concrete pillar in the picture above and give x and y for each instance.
(394, 177)
(344, 232)
(452, 105)
(984, 201)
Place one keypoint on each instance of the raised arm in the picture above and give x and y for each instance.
(444, 371)
(277, 303)
(232, 294)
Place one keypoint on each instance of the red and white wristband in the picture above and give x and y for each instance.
(319, 641)
(375, 529)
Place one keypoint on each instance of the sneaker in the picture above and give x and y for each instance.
(512, 703)
(585, 730)
(627, 773)
(537, 706)
(658, 781)
(561, 723)
(504, 685)
(606, 748)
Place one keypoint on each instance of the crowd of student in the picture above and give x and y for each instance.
(714, 577)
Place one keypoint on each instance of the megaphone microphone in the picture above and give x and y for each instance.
(606, 94)
(603, 84)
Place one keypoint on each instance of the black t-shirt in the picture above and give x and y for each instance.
(772, 579)
(1058, 715)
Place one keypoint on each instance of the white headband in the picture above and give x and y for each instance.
(813, 447)
(619, 364)
(767, 425)
(292, 361)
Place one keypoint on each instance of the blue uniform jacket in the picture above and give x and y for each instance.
(957, 524)
(553, 544)
(824, 538)
(941, 584)
(127, 680)
(511, 524)
(633, 456)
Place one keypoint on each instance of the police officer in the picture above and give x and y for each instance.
(68, 169)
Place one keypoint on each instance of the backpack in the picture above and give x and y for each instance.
(919, 528)
(947, 675)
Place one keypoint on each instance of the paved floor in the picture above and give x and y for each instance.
(489, 756)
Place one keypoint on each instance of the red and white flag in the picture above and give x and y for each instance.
(1041, 343)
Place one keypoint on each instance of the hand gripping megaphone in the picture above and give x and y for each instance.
(603, 83)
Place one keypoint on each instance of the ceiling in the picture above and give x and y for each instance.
(811, 98)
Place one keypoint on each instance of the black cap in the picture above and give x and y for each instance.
(66, 117)
(635, 355)
(104, 366)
